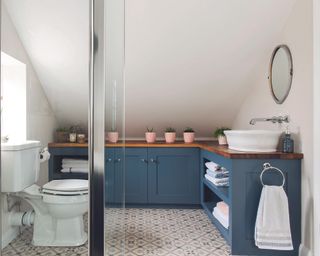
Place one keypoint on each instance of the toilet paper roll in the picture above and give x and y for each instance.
(44, 155)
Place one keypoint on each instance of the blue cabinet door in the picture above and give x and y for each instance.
(109, 175)
(174, 176)
(118, 175)
(131, 176)
(136, 175)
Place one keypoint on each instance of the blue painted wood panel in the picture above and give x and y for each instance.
(136, 175)
(246, 191)
(173, 176)
(109, 175)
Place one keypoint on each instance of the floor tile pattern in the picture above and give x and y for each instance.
(141, 232)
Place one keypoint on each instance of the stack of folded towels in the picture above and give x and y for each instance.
(217, 175)
(74, 165)
(221, 213)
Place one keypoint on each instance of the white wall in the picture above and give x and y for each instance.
(185, 59)
(298, 35)
(316, 115)
(191, 63)
(41, 120)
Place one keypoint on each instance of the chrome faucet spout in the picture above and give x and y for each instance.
(274, 120)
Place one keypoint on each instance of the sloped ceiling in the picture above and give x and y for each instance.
(188, 62)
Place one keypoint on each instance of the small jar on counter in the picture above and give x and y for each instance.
(81, 138)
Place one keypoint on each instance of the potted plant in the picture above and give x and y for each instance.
(151, 136)
(61, 135)
(73, 133)
(113, 136)
(188, 135)
(219, 133)
(170, 135)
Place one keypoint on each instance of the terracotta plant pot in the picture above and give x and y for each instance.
(61, 137)
(188, 137)
(151, 137)
(222, 140)
(113, 137)
(170, 137)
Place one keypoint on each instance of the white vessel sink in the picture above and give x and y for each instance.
(253, 140)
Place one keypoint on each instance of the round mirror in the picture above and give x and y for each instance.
(281, 73)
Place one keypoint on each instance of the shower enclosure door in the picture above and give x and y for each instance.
(62, 64)
(115, 128)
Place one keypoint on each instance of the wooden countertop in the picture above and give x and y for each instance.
(209, 146)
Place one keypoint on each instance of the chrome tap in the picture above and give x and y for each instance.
(274, 119)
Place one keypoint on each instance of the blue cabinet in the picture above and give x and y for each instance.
(243, 197)
(173, 176)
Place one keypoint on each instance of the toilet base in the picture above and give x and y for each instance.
(49, 231)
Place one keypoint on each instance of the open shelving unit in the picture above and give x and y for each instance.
(55, 162)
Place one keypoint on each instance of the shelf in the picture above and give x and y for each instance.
(221, 192)
(208, 207)
(60, 175)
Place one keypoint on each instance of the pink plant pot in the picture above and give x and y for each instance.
(170, 137)
(151, 137)
(188, 137)
(222, 140)
(113, 137)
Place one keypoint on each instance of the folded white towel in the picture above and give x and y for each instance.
(75, 165)
(272, 229)
(218, 174)
(212, 166)
(74, 170)
(217, 182)
(73, 160)
(224, 220)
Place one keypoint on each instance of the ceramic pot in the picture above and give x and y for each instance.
(73, 137)
(188, 137)
(170, 137)
(151, 137)
(113, 137)
(61, 137)
(81, 138)
(222, 140)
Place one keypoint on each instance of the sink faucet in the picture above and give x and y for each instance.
(274, 119)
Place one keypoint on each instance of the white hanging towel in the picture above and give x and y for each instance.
(272, 229)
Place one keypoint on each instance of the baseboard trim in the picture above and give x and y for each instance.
(304, 251)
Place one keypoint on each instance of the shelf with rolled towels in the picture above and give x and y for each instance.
(216, 178)
(74, 165)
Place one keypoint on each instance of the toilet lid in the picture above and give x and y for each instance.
(69, 186)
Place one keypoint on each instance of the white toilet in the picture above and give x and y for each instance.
(58, 206)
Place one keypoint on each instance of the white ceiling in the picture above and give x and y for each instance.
(188, 62)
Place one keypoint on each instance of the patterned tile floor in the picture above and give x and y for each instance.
(141, 232)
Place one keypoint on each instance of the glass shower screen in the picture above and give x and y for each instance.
(115, 128)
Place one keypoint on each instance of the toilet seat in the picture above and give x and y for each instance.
(68, 187)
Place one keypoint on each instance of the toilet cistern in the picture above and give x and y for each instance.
(274, 119)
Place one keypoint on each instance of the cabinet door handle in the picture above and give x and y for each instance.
(144, 160)
(117, 160)
(153, 161)
(109, 160)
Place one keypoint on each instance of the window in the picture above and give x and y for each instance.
(13, 98)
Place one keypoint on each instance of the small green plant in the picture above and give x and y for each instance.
(149, 129)
(170, 129)
(74, 129)
(62, 129)
(220, 131)
(188, 129)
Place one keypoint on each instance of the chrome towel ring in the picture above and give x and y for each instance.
(267, 167)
